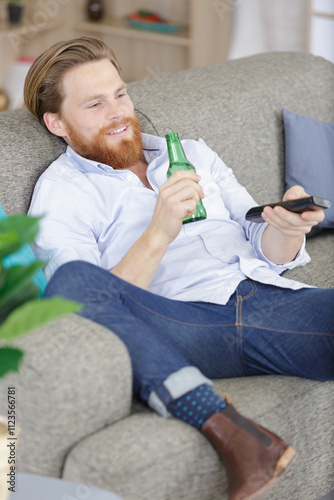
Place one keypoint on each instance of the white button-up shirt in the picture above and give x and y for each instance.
(95, 213)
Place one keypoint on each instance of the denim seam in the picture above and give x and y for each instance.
(172, 319)
(252, 292)
(302, 332)
(239, 332)
(239, 325)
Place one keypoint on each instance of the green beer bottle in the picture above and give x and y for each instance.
(178, 161)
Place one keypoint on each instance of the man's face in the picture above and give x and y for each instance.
(98, 117)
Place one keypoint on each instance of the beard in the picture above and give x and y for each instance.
(123, 155)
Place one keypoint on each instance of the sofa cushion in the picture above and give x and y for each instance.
(309, 157)
(236, 107)
(75, 378)
(27, 150)
(149, 457)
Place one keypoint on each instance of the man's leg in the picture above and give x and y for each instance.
(153, 358)
(286, 332)
(254, 456)
(262, 330)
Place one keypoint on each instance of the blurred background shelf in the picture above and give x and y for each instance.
(142, 53)
(215, 30)
(120, 27)
(8, 30)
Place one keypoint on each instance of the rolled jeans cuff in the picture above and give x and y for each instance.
(176, 385)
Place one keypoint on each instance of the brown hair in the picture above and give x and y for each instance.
(43, 83)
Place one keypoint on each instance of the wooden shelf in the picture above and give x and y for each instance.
(24, 28)
(119, 27)
(142, 53)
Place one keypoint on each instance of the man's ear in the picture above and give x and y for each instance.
(54, 124)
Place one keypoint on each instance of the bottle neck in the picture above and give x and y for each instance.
(175, 149)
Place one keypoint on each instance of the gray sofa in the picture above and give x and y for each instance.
(74, 403)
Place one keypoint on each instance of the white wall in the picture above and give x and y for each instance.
(282, 25)
(322, 28)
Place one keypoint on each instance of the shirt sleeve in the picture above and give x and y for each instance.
(301, 258)
(238, 201)
(66, 228)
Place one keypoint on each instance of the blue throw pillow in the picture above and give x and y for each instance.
(24, 257)
(309, 158)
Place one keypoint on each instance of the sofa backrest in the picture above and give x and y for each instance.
(235, 106)
(27, 149)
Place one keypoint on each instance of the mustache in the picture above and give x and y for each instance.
(121, 123)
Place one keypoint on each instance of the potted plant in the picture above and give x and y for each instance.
(22, 309)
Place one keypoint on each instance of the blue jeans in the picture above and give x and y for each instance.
(262, 330)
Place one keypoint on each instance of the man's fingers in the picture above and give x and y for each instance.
(310, 216)
(179, 178)
(291, 223)
(181, 189)
(294, 193)
(313, 215)
(183, 174)
(182, 199)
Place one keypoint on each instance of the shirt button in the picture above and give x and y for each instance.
(129, 177)
(206, 236)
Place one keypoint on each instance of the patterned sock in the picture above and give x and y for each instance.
(196, 406)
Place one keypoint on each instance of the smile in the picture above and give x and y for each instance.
(118, 130)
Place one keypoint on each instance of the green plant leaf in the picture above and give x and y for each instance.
(34, 314)
(10, 358)
(16, 286)
(30, 292)
(14, 278)
(15, 231)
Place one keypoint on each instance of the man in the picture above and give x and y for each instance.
(187, 300)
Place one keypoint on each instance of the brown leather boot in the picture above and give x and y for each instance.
(254, 457)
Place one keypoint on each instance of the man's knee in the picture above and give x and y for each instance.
(70, 276)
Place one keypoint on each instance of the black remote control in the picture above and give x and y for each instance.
(299, 205)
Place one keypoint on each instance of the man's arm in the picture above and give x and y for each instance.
(177, 199)
(283, 237)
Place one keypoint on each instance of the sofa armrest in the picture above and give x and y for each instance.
(75, 379)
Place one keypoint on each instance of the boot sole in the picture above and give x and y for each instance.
(284, 463)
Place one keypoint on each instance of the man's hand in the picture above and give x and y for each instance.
(177, 199)
(282, 239)
(290, 223)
